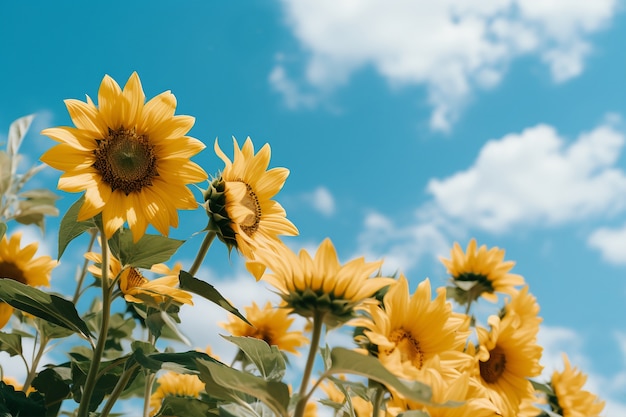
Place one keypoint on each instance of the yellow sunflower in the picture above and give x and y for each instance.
(239, 202)
(19, 264)
(481, 272)
(362, 407)
(508, 355)
(524, 305)
(131, 158)
(172, 384)
(416, 337)
(319, 286)
(138, 289)
(570, 399)
(270, 324)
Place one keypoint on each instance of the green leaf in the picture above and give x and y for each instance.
(11, 343)
(52, 331)
(268, 359)
(3, 229)
(185, 362)
(149, 250)
(15, 403)
(222, 381)
(5, 172)
(49, 307)
(55, 388)
(183, 406)
(70, 228)
(414, 413)
(206, 290)
(17, 131)
(345, 361)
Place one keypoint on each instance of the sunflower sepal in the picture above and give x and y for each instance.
(219, 221)
(306, 303)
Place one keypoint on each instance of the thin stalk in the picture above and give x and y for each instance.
(83, 272)
(90, 382)
(377, 401)
(318, 321)
(35, 363)
(117, 391)
(150, 377)
(204, 248)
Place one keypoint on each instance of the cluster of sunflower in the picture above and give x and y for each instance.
(413, 355)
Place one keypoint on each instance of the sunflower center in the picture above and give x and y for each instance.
(494, 367)
(125, 160)
(409, 347)
(250, 223)
(12, 271)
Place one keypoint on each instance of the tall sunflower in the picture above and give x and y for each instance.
(270, 324)
(414, 336)
(508, 355)
(129, 157)
(570, 399)
(318, 286)
(480, 272)
(239, 202)
(19, 264)
(172, 384)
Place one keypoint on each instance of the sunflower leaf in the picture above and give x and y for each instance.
(414, 413)
(147, 251)
(184, 406)
(5, 172)
(11, 343)
(206, 290)
(49, 307)
(54, 387)
(268, 359)
(351, 362)
(17, 132)
(70, 228)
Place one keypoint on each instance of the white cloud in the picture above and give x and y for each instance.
(451, 46)
(321, 200)
(536, 177)
(610, 242)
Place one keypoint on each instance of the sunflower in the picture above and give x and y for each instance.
(239, 202)
(524, 305)
(319, 286)
(270, 324)
(172, 384)
(20, 265)
(570, 400)
(138, 289)
(480, 272)
(416, 337)
(362, 407)
(508, 355)
(131, 158)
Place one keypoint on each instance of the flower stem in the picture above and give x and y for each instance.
(318, 321)
(204, 248)
(35, 363)
(83, 272)
(90, 382)
(117, 391)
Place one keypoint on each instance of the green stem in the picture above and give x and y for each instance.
(117, 391)
(204, 248)
(150, 378)
(318, 321)
(378, 401)
(90, 382)
(33, 367)
(83, 272)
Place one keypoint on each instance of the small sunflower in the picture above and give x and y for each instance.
(570, 399)
(270, 324)
(20, 265)
(138, 289)
(415, 336)
(481, 272)
(131, 158)
(524, 305)
(239, 202)
(172, 384)
(319, 286)
(508, 355)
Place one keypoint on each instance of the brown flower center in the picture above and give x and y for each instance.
(494, 367)
(250, 223)
(408, 346)
(134, 279)
(125, 160)
(12, 271)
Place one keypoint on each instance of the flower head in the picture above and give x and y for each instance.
(129, 157)
(570, 399)
(19, 264)
(481, 272)
(239, 202)
(270, 324)
(172, 384)
(319, 285)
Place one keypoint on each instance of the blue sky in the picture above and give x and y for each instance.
(406, 127)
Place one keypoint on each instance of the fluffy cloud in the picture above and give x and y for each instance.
(451, 46)
(610, 243)
(536, 177)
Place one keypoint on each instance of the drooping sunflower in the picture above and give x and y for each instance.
(318, 286)
(136, 288)
(129, 157)
(19, 264)
(172, 384)
(270, 324)
(239, 202)
(508, 355)
(570, 399)
(414, 336)
(481, 272)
